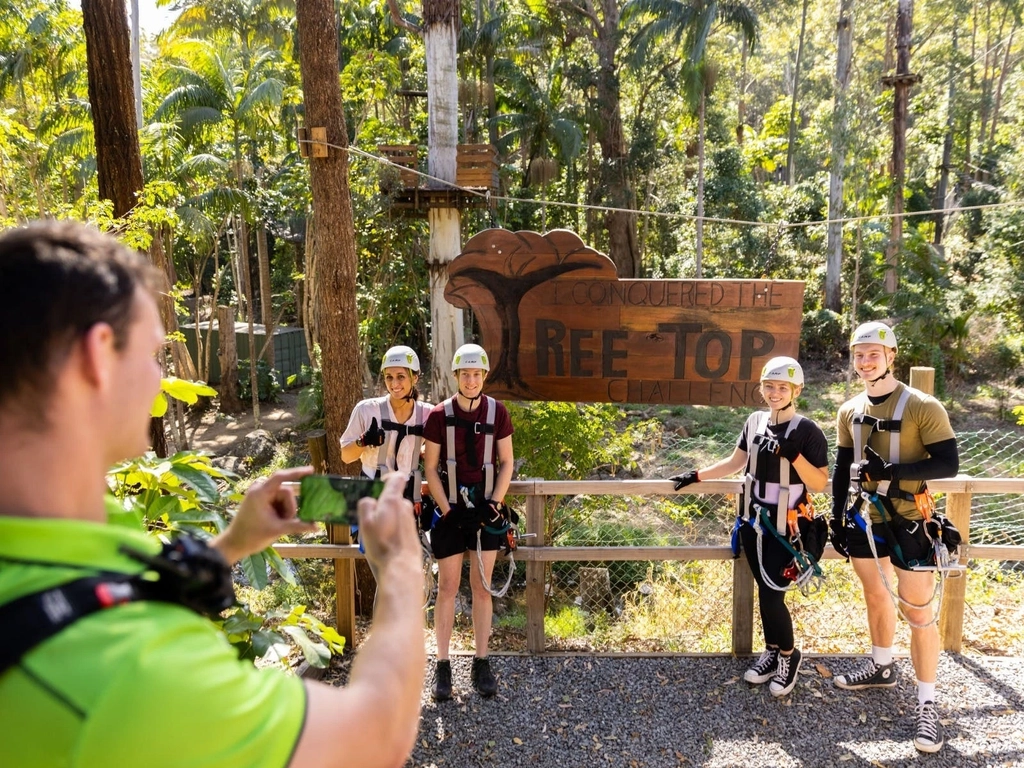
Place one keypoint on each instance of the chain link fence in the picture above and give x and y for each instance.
(666, 606)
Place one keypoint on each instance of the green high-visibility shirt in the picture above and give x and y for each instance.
(142, 684)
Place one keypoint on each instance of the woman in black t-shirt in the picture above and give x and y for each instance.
(784, 456)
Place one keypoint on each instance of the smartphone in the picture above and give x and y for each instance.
(333, 499)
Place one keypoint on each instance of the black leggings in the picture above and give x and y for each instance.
(775, 618)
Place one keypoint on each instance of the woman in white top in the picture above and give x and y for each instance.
(386, 433)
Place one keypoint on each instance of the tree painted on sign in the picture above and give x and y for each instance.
(498, 268)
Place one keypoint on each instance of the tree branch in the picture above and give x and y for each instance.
(401, 21)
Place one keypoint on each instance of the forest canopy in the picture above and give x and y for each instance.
(682, 137)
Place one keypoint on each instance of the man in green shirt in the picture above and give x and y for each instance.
(150, 682)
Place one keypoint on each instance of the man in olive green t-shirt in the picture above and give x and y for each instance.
(890, 440)
(154, 683)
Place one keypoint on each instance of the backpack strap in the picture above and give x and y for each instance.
(41, 615)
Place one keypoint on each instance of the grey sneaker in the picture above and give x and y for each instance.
(929, 729)
(763, 669)
(786, 673)
(870, 676)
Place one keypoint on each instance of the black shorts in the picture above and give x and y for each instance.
(909, 535)
(456, 533)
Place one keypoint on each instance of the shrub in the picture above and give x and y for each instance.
(266, 381)
(822, 336)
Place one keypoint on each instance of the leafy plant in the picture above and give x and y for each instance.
(266, 381)
(256, 636)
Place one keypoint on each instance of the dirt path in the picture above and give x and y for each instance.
(217, 432)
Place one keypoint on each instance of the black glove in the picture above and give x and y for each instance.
(685, 479)
(494, 514)
(837, 535)
(788, 449)
(374, 436)
(874, 468)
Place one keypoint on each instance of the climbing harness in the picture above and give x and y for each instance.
(402, 431)
(783, 523)
(804, 572)
(945, 539)
(486, 428)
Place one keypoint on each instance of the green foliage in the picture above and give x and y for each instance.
(822, 335)
(568, 441)
(266, 381)
(311, 398)
(255, 636)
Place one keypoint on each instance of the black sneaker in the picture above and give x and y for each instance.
(763, 669)
(870, 676)
(443, 680)
(786, 673)
(482, 677)
(929, 729)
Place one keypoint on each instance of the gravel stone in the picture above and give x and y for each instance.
(586, 711)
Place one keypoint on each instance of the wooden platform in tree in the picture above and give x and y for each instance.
(407, 190)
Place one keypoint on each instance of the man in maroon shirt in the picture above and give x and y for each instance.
(468, 465)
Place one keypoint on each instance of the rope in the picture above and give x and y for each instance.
(808, 582)
(779, 225)
(898, 600)
(480, 565)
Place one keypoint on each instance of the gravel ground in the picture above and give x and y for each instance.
(583, 711)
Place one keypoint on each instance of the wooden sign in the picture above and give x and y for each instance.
(560, 325)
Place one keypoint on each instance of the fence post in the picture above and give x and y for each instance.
(951, 610)
(344, 570)
(742, 603)
(958, 510)
(535, 505)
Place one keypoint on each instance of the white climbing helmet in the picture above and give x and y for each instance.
(401, 357)
(470, 356)
(783, 369)
(874, 333)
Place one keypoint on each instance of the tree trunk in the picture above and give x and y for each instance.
(840, 128)
(118, 158)
(266, 292)
(242, 242)
(699, 245)
(334, 245)
(791, 148)
(111, 97)
(227, 355)
(939, 203)
(901, 100)
(1003, 71)
(741, 108)
(440, 35)
(615, 181)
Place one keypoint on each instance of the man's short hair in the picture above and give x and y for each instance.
(57, 280)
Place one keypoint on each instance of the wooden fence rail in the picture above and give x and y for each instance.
(535, 552)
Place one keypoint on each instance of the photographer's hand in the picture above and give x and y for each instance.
(387, 527)
(265, 515)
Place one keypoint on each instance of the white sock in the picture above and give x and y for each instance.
(925, 692)
(882, 656)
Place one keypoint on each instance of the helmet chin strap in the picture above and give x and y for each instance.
(786, 407)
(875, 381)
(471, 399)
